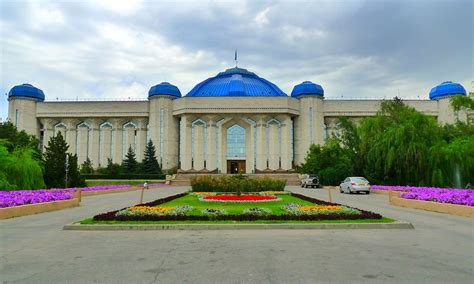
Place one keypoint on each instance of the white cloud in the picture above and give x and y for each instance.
(121, 48)
(125, 7)
(45, 16)
(261, 18)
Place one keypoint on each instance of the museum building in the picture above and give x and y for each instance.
(233, 122)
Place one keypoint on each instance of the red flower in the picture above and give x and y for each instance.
(248, 197)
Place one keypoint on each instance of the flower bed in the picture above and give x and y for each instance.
(23, 197)
(154, 211)
(241, 198)
(452, 196)
(319, 209)
(327, 211)
(435, 194)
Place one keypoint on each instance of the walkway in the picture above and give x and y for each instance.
(34, 249)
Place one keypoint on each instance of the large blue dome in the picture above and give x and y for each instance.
(164, 88)
(26, 91)
(447, 88)
(236, 82)
(307, 88)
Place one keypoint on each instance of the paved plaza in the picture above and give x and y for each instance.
(35, 249)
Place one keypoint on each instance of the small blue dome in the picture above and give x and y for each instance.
(236, 82)
(307, 88)
(164, 88)
(26, 91)
(447, 88)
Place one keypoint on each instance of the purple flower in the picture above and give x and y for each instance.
(436, 194)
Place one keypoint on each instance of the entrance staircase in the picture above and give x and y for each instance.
(184, 179)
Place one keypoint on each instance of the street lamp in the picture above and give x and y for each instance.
(67, 166)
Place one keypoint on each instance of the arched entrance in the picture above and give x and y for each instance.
(236, 154)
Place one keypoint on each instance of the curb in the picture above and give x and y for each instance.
(320, 226)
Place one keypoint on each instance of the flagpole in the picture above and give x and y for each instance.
(235, 58)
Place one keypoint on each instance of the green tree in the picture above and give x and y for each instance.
(55, 161)
(130, 164)
(331, 162)
(395, 144)
(150, 164)
(74, 177)
(15, 138)
(112, 168)
(19, 169)
(86, 167)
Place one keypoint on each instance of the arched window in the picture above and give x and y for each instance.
(236, 141)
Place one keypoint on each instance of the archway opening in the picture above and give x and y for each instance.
(236, 152)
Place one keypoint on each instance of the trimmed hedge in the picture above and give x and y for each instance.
(110, 216)
(230, 184)
(124, 176)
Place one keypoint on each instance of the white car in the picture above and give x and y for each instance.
(355, 184)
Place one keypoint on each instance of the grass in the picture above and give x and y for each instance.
(89, 221)
(233, 207)
(133, 182)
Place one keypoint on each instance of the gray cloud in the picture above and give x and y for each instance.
(120, 48)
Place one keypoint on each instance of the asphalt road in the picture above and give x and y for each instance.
(35, 249)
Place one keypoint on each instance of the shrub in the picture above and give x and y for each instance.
(230, 184)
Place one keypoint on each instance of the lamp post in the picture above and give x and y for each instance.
(67, 167)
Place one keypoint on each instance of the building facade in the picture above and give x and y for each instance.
(233, 122)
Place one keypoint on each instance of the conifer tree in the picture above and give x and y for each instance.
(130, 163)
(86, 167)
(74, 177)
(150, 164)
(55, 164)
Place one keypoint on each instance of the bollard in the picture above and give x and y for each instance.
(141, 194)
(330, 195)
(79, 194)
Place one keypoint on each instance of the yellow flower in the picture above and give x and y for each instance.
(319, 207)
(151, 209)
(202, 193)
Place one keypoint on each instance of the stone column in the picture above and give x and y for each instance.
(141, 139)
(94, 143)
(118, 141)
(261, 145)
(286, 144)
(211, 155)
(185, 143)
(71, 136)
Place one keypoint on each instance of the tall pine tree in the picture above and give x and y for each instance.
(130, 164)
(55, 161)
(150, 164)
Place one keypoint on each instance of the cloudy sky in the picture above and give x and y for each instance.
(119, 49)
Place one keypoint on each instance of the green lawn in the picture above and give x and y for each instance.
(234, 207)
(89, 221)
(95, 182)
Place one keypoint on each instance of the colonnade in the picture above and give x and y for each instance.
(98, 139)
(268, 142)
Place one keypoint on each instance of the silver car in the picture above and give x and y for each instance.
(310, 180)
(355, 184)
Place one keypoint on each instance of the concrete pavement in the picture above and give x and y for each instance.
(35, 249)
